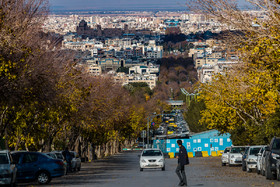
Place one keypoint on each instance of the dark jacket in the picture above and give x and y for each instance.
(67, 156)
(183, 158)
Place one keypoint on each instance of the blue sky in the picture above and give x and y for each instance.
(115, 4)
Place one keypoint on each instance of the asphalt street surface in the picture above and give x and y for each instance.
(122, 170)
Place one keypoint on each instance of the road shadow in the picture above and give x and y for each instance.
(96, 172)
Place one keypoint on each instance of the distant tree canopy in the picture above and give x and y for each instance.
(193, 115)
(174, 38)
(175, 73)
(141, 90)
(123, 69)
(173, 31)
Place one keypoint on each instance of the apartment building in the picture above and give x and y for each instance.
(125, 79)
(94, 69)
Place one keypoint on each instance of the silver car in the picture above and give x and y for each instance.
(235, 155)
(263, 163)
(252, 156)
(260, 159)
(8, 169)
(58, 155)
(151, 159)
(225, 156)
(76, 161)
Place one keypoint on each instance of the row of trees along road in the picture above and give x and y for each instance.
(245, 100)
(47, 102)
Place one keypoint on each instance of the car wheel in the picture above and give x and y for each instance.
(141, 169)
(223, 164)
(163, 169)
(262, 172)
(268, 173)
(258, 171)
(248, 169)
(43, 177)
(229, 165)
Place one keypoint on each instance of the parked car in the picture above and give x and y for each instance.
(171, 129)
(272, 155)
(235, 155)
(259, 159)
(152, 158)
(244, 157)
(138, 145)
(76, 161)
(8, 169)
(263, 164)
(37, 166)
(58, 155)
(51, 155)
(225, 156)
(251, 158)
(278, 169)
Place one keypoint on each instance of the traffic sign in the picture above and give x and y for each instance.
(143, 134)
(153, 124)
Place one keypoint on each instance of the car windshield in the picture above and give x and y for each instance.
(237, 149)
(51, 155)
(226, 150)
(58, 155)
(15, 157)
(255, 150)
(4, 158)
(151, 153)
(276, 144)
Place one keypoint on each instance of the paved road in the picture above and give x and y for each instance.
(122, 170)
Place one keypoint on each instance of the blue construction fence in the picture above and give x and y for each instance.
(194, 145)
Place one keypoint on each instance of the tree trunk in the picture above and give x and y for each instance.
(6, 140)
(2, 131)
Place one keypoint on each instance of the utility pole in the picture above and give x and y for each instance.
(148, 134)
(151, 116)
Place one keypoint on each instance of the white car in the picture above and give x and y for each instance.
(152, 159)
(251, 159)
(8, 169)
(263, 162)
(235, 155)
(225, 156)
(260, 159)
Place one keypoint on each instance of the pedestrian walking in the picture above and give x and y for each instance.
(68, 159)
(183, 160)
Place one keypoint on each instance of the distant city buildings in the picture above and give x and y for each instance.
(126, 46)
(132, 23)
(211, 58)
